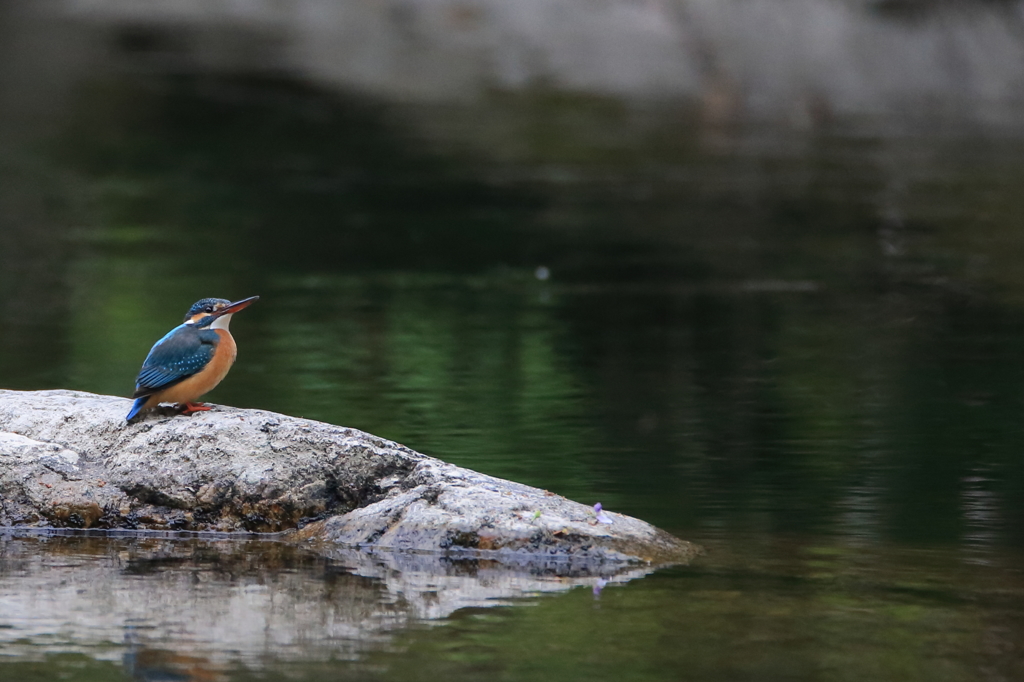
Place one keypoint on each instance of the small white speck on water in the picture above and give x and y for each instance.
(542, 273)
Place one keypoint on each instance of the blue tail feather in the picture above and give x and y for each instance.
(137, 407)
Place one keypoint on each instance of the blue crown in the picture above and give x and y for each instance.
(205, 305)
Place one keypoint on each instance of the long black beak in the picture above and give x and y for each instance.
(236, 306)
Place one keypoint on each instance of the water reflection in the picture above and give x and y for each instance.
(91, 608)
(192, 608)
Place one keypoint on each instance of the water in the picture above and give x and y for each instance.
(800, 350)
(757, 607)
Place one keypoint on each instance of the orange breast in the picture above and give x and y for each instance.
(204, 380)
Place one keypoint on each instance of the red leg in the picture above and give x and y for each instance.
(195, 407)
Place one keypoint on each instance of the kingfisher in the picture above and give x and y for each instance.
(191, 359)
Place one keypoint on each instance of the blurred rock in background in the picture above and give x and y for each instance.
(802, 62)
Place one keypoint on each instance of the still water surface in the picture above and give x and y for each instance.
(802, 351)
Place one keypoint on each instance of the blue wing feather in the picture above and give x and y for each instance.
(184, 351)
(136, 407)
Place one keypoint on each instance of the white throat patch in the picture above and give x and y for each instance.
(222, 322)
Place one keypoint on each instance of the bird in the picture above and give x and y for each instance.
(191, 359)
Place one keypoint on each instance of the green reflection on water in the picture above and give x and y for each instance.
(751, 610)
(467, 369)
(741, 340)
(75, 667)
(756, 346)
(754, 608)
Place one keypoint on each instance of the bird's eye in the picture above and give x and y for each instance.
(209, 308)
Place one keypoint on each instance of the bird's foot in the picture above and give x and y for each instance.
(191, 408)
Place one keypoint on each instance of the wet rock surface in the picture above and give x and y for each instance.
(69, 460)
